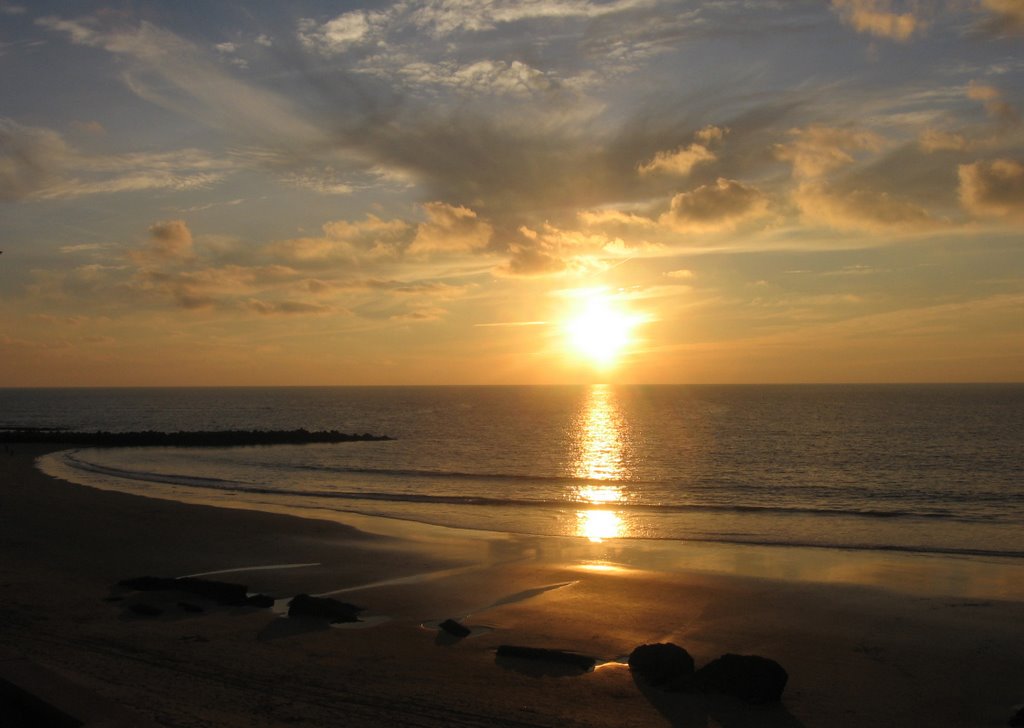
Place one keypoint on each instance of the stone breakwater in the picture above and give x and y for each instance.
(208, 438)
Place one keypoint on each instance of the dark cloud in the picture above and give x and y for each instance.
(712, 208)
(170, 239)
(993, 188)
(274, 308)
(527, 259)
(1006, 18)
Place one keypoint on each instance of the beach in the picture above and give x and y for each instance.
(856, 654)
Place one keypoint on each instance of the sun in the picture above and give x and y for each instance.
(598, 330)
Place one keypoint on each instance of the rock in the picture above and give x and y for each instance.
(661, 663)
(146, 610)
(261, 601)
(148, 583)
(219, 591)
(1018, 719)
(574, 659)
(750, 678)
(190, 607)
(454, 628)
(303, 605)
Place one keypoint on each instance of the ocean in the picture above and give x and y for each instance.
(928, 469)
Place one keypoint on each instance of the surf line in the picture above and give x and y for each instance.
(414, 579)
(267, 567)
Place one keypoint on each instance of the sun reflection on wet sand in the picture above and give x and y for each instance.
(597, 525)
(599, 457)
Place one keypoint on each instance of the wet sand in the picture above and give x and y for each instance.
(935, 651)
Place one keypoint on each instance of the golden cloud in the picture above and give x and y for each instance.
(450, 229)
(817, 150)
(877, 18)
(682, 160)
(860, 209)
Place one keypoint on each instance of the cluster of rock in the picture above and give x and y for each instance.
(751, 678)
(222, 592)
(563, 657)
(454, 628)
(193, 438)
(236, 595)
(332, 610)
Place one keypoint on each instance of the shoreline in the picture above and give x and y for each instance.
(936, 573)
(856, 654)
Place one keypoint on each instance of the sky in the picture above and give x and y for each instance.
(500, 192)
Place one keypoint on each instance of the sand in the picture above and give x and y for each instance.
(930, 652)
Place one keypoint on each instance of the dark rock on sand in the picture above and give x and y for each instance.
(262, 601)
(146, 610)
(219, 591)
(148, 583)
(454, 628)
(1018, 719)
(573, 659)
(661, 663)
(303, 605)
(751, 678)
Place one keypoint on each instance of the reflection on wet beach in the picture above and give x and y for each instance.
(600, 432)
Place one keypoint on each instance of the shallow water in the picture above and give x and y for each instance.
(919, 469)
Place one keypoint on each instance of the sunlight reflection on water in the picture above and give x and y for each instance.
(600, 431)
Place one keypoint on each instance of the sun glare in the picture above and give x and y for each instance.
(598, 330)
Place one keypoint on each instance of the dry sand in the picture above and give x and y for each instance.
(857, 655)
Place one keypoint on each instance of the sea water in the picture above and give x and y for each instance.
(931, 469)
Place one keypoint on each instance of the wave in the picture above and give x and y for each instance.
(896, 548)
(462, 475)
(737, 488)
(746, 540)
(630, 507)
(144, 476)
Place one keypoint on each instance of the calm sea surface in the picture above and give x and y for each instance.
(933, 469)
